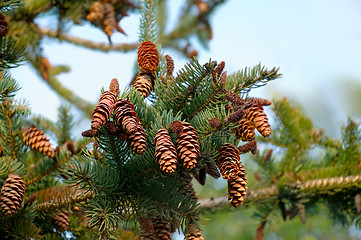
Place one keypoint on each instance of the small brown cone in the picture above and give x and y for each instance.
(251, 146)
(215, 123)
(255, 114)
(165, 152)
(148, 57)
(194, 233)
(260, 101)
(137, 141)
(125, 116)
(12, 194)
(216, 73)
(36, 139)
(170, 68)
(61, 222)
(103, 110)
(212, 169)
(96, 13)
(228, 161)
(245, 131)
(3, 26)
(114, 87)
(144, 83)
(161, 229)
(187, 146)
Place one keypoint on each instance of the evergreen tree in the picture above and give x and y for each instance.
(131, 174)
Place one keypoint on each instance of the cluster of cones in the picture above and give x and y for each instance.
(148, 61)
(187, 147)
(125, 124)
(107, 13)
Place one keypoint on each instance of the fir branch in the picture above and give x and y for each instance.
(9, 5)
(11, 54)
(243, 81)
(148, 28)
(66, 200)
(8, 86)
(65, 124)
(104, 47)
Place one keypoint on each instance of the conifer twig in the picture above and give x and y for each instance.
(104, 47)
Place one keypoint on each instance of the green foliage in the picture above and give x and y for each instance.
(148, 29)
(11, 53)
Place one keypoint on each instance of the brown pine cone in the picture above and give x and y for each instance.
(144, 83)
(148, 57)
(233, 98)
(36, 139)
(61, 222)
(165, 152)
(245, 131)
(96, 13)
(146, 229)
(137, 141)
(228, 161)
(216, 73)
(212, 169)
(161, 229)
(260, 101)
(109, 21)
(3, 26)
(114, 87)
(170, 68)
(103, 110)
(125, 116)
(237, 190)
(215, 123)
(187, 146)
(194, 233)
(12, 194)
(251, 146)
(255, 114)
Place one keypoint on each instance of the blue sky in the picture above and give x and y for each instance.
(316, 44)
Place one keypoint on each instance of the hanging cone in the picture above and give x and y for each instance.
(165, 152)
(194, 233)
(12, 194)
(109, 21)
(103, 110)
(216, 73)
(3, 26)
(161, 229)
(228, 161)
(248, 147)
(61, 222)
(237, 188)
(187, 146)
(144, 83)
(96, 13)
(148, 57)
(255, 114)
(36, 139)
(125, 116)
(137, 141)
(245, 131)
(212, 169)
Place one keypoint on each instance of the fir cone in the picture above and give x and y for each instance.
(103, 110)
(148, 57)
(165, 152)
(161, 229)
(255, 114)
(90, 133)
(125, 116)
(61, 222)
(237, 189)
(3, 26)
(137, 141)
(233, 98)
(36, 139)
(215, 123)
(146, 229)
(114, 87)
(260, 101)
(187, 146)
(245, 131)
(170, 67)
(96, 13)
(201, 176)
(228, 161)
(109, 21)
(212, 169)
(144, 83)
(216, 73)
(251, 146)
(194, 233)
(12, 194)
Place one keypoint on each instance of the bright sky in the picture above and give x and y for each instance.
(316, 44)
